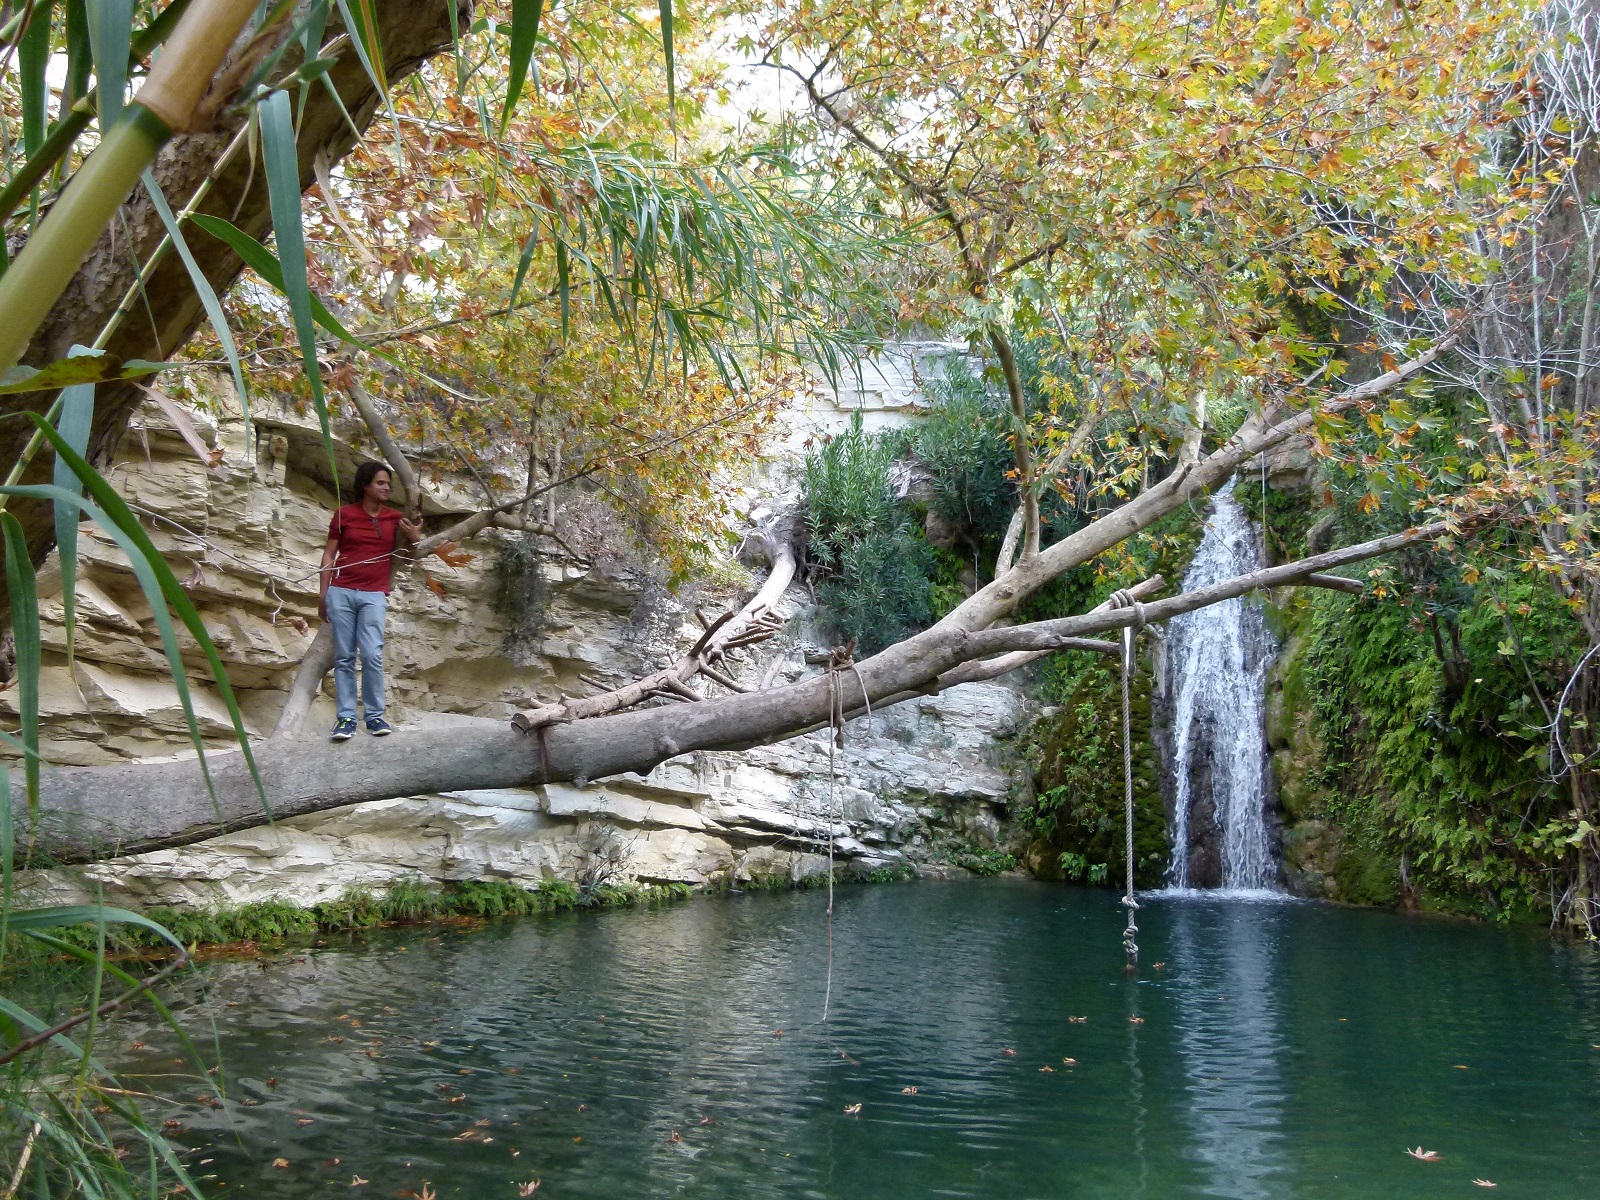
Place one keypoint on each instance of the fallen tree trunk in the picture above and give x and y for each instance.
(92, 813)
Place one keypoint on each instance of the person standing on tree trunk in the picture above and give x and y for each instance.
(363, 539)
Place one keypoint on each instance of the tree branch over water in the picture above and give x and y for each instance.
(98, 812)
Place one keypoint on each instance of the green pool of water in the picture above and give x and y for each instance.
(1284, 1049)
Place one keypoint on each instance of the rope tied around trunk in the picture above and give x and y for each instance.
(1130, 935)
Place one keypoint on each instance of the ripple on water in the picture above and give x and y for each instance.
(1281, 1049)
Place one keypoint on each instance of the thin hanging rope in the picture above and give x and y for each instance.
(1130, 936)
(841, 658)
(835, 731)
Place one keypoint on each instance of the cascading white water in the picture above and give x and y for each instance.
(1218, 657)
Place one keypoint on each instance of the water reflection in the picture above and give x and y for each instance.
(1285, 1049)
(1230, 1041)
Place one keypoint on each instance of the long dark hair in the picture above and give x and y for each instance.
(366, 473)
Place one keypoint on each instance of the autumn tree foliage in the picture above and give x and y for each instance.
(1181, 192)
(601, 286)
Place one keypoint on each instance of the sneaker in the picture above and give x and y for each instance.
(343, 730)
(376, 726)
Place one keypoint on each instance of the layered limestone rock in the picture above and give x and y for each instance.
(912, 784)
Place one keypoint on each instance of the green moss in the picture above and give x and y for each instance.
(1078, 812)
(407, 901)
(1436, 764)
(1366, 874)
(893, 873)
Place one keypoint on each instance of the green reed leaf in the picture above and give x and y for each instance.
(25, 634)
(33, 56)
(207, 294)
(77, 417)
(110, 34)
(265, 264)
(161, 588)
(525, 16)
(283, 194)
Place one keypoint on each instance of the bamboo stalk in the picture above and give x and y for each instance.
(76, 119)
(170, 94)
(122, 309)
(35, 281)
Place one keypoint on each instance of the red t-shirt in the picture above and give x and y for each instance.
(366, 543)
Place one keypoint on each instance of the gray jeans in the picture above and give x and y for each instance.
(357, 619)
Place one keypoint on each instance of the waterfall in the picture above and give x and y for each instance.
(1218, 659)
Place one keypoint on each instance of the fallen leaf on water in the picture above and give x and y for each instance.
(852, 1109)
(1157, 966)
(1047, 1067)
(777, 1033)
(529, 1188)
(357, 1181)
(577, 1139)
(908, 1091)
(707, 1121)
(272, 1082)
(280, 1163)
(1009, 1052)
(328, 1164)
(1485, 1183)
(483, 1124)
(674, 1138)
(1077, 1020)
(136, 1046)
(1461, 1066)
(1426, 1155)
(583, 1108)
(466, 1135)
(336, 1039)
(304, 1121)
(456, 1099)
(1069, 1062)
(1135, 1020)
(427, 1192)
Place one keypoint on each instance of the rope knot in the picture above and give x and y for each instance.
(1124, 598)
(842, 658)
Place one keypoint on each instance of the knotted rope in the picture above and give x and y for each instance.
(1130, 935)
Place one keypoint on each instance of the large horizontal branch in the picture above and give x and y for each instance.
(99, 812)
(1049, 635)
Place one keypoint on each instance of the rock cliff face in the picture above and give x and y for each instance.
(913, 785)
